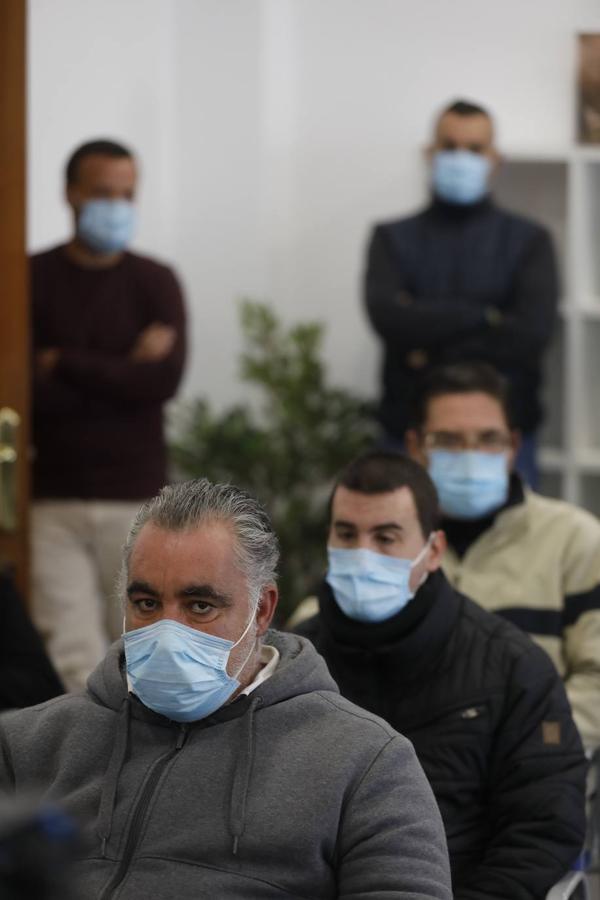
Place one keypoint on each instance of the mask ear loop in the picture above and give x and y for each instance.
(421, 556)
(243, 635)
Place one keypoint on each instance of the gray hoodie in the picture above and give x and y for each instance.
(291, 791)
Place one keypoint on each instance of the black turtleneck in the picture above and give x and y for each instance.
(462, 533)
(374, 663)
(459, 212)
(374, 634)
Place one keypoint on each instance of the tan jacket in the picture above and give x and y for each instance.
(539, 564)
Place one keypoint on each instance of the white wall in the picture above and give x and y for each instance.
(100, 70)
(273, 132)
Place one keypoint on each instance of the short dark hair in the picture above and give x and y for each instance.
(380, 472)
(465, 108)
(459, 378)
(98, 147)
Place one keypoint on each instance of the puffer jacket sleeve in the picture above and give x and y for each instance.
(391, 844)
(536, 787)
(581, 624)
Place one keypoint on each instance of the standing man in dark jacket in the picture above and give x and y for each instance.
(462, 280)
(483, 706)
(109, 344)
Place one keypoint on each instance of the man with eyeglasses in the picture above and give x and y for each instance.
(533, 560)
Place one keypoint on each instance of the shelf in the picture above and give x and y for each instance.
(552, 433)
(559, 154)
(588, 460)
(551, 485)
(565, 310)
(560, 188)
(579, 311)
(538, 155)
(587, 152)
(589, 493)
(589, 308)
(551, 459)
(588, 262)
(537, 188)
(587, 402)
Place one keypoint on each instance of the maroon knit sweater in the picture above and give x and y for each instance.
(97, 419)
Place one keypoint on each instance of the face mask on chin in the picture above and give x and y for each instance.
(181, 672)
(470, 484)
(106, 226)
(368, 586)
(460, 176)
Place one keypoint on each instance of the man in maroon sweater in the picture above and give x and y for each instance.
(109, 345)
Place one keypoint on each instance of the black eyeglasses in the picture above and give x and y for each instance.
(489, 441)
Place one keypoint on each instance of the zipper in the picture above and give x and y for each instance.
(139, 814)
(472, 712)
(466, 712)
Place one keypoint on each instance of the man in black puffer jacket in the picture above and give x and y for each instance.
(483, 705)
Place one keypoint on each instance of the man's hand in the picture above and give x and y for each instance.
(417, 359)
(154, 343)
(46, 360)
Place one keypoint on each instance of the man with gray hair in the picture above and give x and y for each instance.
(212, 757)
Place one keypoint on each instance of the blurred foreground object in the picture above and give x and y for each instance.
(37, 846)
(287, 450)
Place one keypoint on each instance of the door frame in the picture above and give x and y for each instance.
(14, 291)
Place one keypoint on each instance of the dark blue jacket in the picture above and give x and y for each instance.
(459, 284)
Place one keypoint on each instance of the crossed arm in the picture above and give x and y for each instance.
(464, 329)
(149, 372)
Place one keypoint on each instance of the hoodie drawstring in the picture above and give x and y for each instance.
(241, 778)
(112, 775)
(239, 790)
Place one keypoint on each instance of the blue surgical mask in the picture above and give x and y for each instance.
(470, 484)
(460, 176)
(370, 587)
(180, 672)
(106, 226)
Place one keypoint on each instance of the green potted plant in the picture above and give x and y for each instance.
(286, 449)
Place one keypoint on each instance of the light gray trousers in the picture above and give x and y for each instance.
(76, 556)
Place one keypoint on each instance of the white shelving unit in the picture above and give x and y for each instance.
(561, 189)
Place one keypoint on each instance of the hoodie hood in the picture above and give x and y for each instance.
(301, 670)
